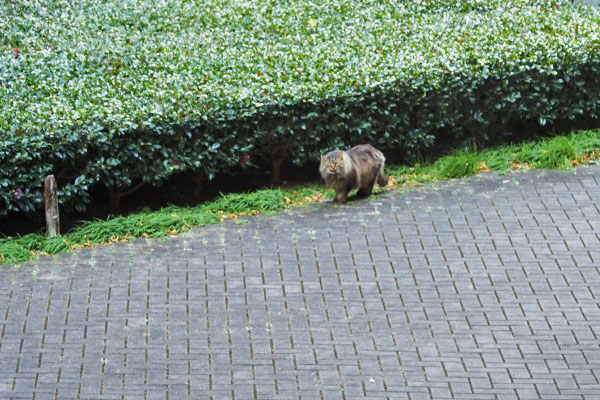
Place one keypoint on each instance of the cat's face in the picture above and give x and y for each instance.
(333, 162)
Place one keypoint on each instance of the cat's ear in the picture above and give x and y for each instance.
(340, 155)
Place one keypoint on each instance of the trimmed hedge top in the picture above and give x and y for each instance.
(127, 92)
(126, 64)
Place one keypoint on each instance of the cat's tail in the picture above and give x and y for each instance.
(382, 178)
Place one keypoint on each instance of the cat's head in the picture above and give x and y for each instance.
(333, 163)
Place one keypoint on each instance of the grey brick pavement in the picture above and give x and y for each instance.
(480, 290)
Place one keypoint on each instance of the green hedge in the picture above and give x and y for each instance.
(127, 92)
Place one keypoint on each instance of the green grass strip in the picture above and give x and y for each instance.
(561, 152)
(171, 221)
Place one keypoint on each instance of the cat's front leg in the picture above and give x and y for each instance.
(341, 196)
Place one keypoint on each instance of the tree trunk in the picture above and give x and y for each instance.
(197, 179)
(275, 169)
(116, 194)
(52, 216)
(114, 198)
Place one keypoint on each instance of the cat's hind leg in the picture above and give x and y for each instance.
(365, 191)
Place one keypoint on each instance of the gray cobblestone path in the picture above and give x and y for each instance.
(480, 290)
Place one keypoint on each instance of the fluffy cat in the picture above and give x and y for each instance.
(360, 167)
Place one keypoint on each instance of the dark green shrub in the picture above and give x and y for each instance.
(123, 94)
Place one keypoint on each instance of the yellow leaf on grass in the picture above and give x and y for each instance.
(483, 167)
(517, 164)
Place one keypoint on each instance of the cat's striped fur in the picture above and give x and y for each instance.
(360, 167)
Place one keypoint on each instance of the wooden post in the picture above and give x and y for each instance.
(52, 217)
